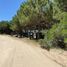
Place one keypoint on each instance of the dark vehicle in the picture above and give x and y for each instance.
(33, 34)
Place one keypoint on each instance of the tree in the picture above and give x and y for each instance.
(57, 35)
(63, 5)
(5, 27)
(33, 13)
(16, 26)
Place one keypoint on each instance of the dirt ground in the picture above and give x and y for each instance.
(16, 52)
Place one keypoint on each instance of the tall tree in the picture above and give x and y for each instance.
(31, 13)
(16, 26)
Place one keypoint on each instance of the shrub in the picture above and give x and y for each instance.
(56, 36)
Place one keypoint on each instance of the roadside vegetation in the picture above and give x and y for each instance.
(47, 17)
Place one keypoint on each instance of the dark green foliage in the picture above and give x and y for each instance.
(63, 5)
(48, 16)
(16, 26)
(5, 27)
(32, 13)
(59, 42)
(56, 36)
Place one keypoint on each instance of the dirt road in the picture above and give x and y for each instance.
(18, 53)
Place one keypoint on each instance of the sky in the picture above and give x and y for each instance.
(8, 8)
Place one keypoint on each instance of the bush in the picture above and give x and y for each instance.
(59, 42)
(56, 36)
(44, 45)
(5, 27)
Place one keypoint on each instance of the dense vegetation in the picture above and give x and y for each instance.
(5, 27)
(47, 16)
